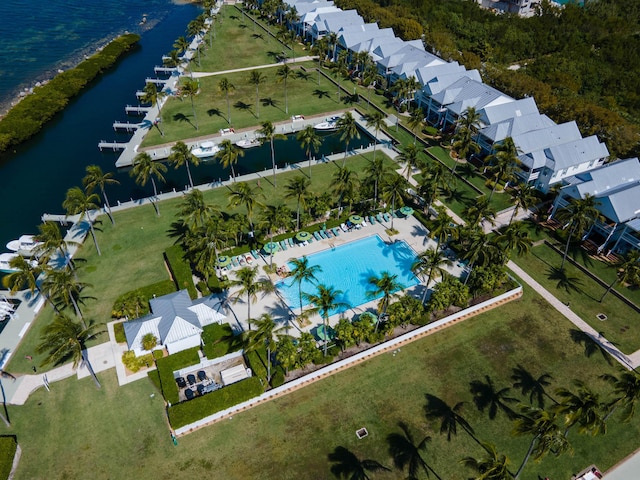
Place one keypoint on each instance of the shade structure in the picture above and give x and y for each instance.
(406, 211)
(325, 334)
(356, 219)
(270, 247)
(303, 236)
(223, 261)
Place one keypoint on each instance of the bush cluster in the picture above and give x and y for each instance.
(25, 119)
(180, 270)
(219, 340)
(135, 304)
(134, 363)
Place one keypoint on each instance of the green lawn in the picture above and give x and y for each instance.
(132, 250)
(584, 294)
(122, 433)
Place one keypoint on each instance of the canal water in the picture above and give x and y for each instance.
(36, 176)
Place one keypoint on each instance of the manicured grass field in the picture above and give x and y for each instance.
(583, 295)
(121, 432)
(132, 250)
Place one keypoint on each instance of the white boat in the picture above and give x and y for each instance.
(5, 258)
(330, 123)
(206, 149)
(248, 143)
(25, 245)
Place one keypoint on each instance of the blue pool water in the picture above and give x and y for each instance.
(349, 267)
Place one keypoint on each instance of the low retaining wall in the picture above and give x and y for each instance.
(355, 359)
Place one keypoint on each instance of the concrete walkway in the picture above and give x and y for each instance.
(248, 69)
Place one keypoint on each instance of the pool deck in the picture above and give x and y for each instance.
(410, 230)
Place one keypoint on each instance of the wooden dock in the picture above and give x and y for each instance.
(111, 145)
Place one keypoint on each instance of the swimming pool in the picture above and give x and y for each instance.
(349, 267)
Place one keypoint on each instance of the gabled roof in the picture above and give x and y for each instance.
(499, 113)
(409, 59)
(575, 153)
(335, 20)
(531, 144)
(616, 185)
(427, 73)
(467, 92)
(357, 34)
(516, 126)
(441, 82)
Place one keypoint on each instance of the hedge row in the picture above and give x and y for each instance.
(257, 361)
(181, 270)
(219, 340)
(8, 446)
(190, 411)
(26, 118)
(168, 365)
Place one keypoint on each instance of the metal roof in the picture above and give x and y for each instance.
(499, 113)
(575, 153)
(516, 126)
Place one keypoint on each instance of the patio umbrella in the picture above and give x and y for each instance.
(325, 335)
(406, 211)
(223, 261)
(356, 219)
(303, 236)
(270, 247)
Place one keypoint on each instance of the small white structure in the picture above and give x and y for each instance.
(175, 321)
(234, 374)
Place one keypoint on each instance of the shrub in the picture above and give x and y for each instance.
(168, 365)
(219, 340)
(180, 270)
(149, 341)
(190, 411)
(134, 363)
(118, 331)
(8, 446)
(158, 354)
(135, 304)
(277, 378)
(257, 361)
(203, 288)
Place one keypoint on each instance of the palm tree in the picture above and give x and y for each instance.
(145, 169)
(348, 130)
(283, 73)
(409, 156)
(479, 212)
(524, 197)
(376, 170)
(406, 452)
(25, 274)
(63, 287)
(416, 121)
(63, 338)
(153, 96)
(626, 390)
(257, 78)
(340, 69)
(181, 155)
(627, 271)
(442, 228)
(345, 182)
(244, 194)
(263, 336)
(503, 162)
(190, 88)
(515, 237)
(52, 242)
(181, 44)
(433, 261)
(96, 178)
(347, 465)
(228, 155)
(435, 178)
(325, 299)
(298, 188)
(449, 417)
(303, 272)
(203, 245)
(370, 79)
(579, 215)
(195, 211)
(493, 466)
(172, 60)
(226, 87)
(310, 141)
(77, 202)
(250, 285)
(5, 417)
(268, 134)
(486, 396)
(393, 189)
(547, 436)
(375, 120)
(386, 285)
(532, 386)
(274, 218)
(583, 408)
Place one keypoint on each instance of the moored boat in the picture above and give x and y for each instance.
(5, 259)
(330, 123)
(25, 245)
(248, 143)
(206, 149)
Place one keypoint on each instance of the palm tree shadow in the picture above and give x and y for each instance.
(459, 196)
(214, 111)
(270, 102)
(487, 397)
(242, 106)
(590, 344)
(178, 230)
(350, 99)
(181, 117)
(257, 36)
(274, 55)
(565, 281)
(321, 93)
(302, 75)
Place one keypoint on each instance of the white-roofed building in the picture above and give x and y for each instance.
(616, 187)
(175, 321)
